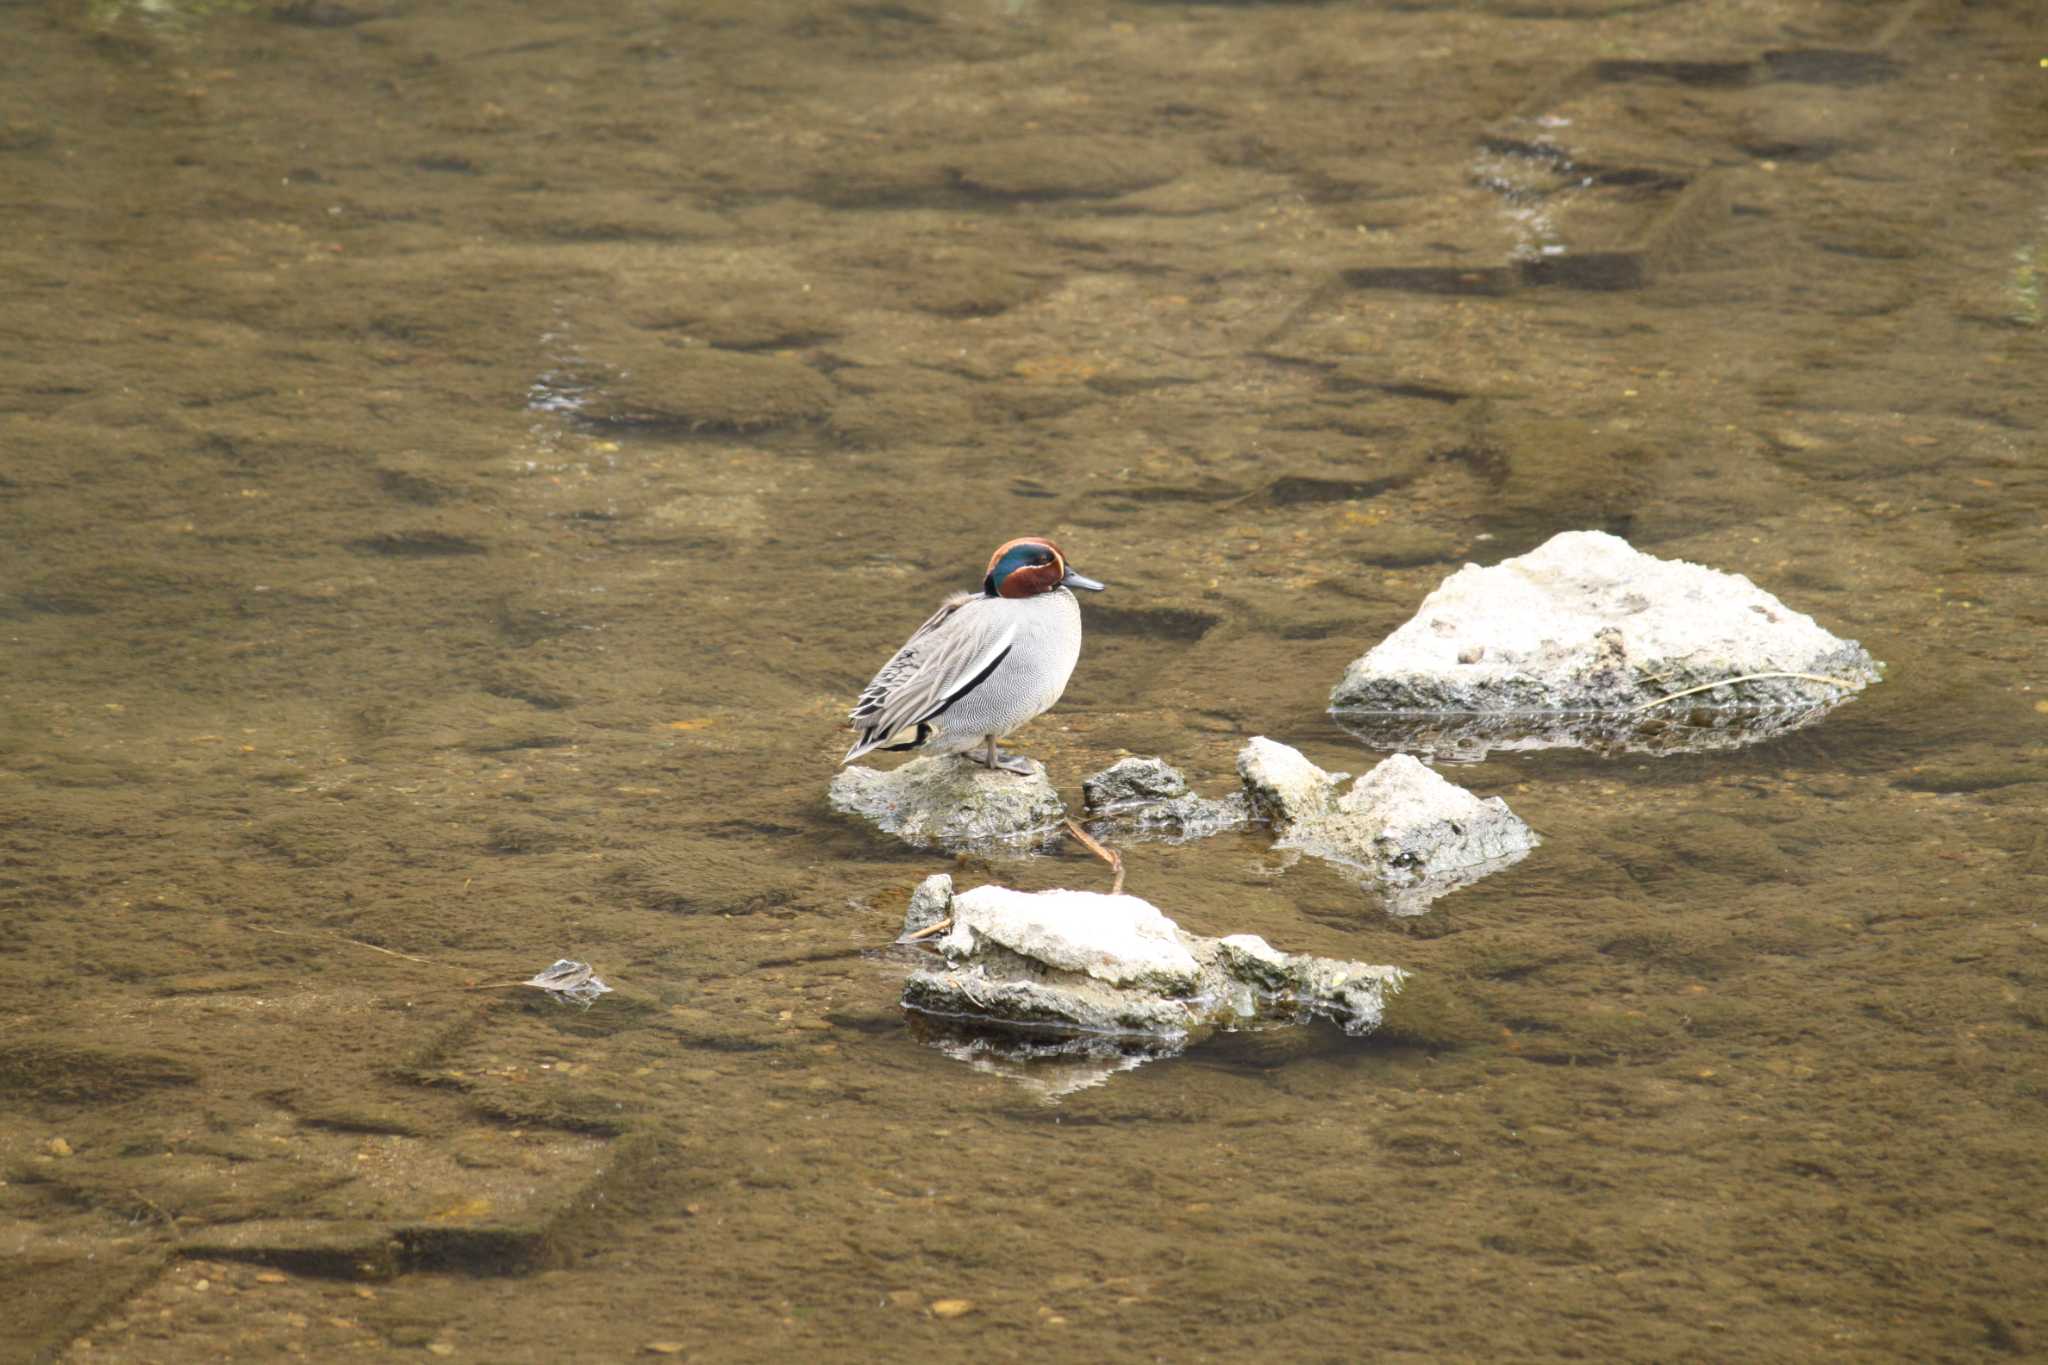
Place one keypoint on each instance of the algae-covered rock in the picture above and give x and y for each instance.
(952, 802)
(1132, 781)
(930, 905)
(1148, 798)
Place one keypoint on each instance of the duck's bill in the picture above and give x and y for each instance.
(1074, 580)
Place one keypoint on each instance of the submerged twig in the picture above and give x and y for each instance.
(1842, 683)
(565, 980)
(342, 938)
(1108, 855)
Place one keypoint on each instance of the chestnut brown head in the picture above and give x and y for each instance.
(1029, 566)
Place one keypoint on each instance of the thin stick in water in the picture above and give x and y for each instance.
(1108, 855)
(1845, 685)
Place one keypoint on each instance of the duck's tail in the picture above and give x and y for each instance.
(870, 741)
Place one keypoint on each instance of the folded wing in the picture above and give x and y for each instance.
(949, 656)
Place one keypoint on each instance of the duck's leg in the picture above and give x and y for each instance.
(993, 758)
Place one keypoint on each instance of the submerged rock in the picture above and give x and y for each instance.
(952, 802)
(1148, 798)
(1402, 823)
(1079, 962)
(1586, 623)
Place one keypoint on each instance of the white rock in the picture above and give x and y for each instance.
(1428, 825)
(1281, 782)
(1076, 962)
(1118, 939)
(1254, 948)
(1586, 622)
(1403, 823)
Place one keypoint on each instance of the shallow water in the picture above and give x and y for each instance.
(459, 463)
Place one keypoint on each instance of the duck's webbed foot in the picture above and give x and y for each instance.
(992, 758)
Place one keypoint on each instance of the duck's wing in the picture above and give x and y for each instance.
(949, 656)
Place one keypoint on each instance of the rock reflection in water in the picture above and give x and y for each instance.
(1468, 737)
(1050, 1065)
(1407, 900)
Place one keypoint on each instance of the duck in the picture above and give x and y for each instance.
(983, 665)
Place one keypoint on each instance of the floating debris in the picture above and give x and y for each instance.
(568, 981)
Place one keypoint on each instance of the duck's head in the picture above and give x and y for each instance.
(1030, 566)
